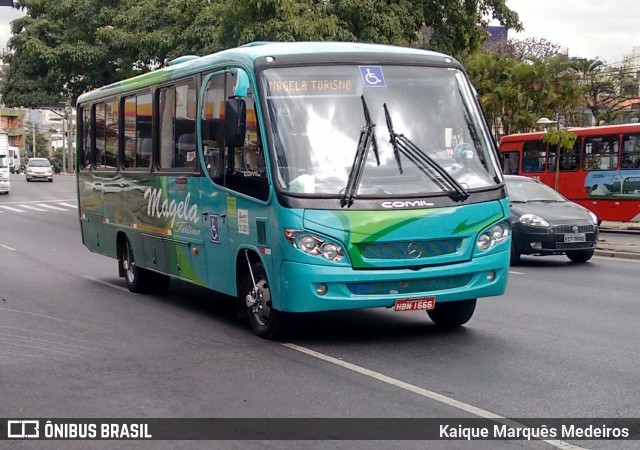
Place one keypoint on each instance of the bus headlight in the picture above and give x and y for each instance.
(314, 245)
(330, 251)
(493, 236)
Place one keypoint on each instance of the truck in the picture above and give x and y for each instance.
(15, 163)
(5, 176)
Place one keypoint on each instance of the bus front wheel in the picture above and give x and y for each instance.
(452, 314)
(266, 321)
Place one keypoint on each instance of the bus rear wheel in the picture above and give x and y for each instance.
(452, 314)
(266, 321)
(141, 280)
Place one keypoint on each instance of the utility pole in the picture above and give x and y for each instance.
(63, 169)
(33, 128)
(70, 137)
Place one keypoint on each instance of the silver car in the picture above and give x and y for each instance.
(39, 169)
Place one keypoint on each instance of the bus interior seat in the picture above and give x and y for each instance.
(186, 150)
(145, 151)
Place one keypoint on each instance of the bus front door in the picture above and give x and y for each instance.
(215, 220)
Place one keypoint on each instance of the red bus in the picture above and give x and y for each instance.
(601, 172)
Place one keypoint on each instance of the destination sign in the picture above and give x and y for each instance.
(312, 86)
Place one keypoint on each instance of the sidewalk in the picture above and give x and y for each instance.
(627, 249)
(606, 225)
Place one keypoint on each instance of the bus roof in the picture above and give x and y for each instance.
(246, 55)
(580, 131)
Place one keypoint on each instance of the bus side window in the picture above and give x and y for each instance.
(243, 168)
(511, 163)
(534, 156)
(249, 173)
(212, 127)
(178, 106)
(86, 130)
(630, 152)
(601, 153)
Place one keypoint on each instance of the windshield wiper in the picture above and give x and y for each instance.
(367, 139)
(403, 145)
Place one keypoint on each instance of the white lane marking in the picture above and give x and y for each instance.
(7, 247)
(106, 283)
(427, 393)
(32, 207)
(69, 205)
(40, 201)
(516, 273)
(44, 205)
(9, 208)
(59, 319)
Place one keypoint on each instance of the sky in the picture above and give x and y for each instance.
(605, 29)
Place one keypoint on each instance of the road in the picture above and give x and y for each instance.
(562, 342)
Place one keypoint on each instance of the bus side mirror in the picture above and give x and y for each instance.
(235, 122)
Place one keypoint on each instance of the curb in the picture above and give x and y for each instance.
(617, 254)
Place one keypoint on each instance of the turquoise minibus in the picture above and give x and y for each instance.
(298, 177)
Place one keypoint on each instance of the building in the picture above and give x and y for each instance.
(497, 33)
(12, 122)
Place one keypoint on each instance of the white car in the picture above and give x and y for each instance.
(5, 177)
(39, 169)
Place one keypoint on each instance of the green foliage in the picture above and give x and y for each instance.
(457, 26)
(560, 137)
(62, 48)
(564, 141)
(515, 93)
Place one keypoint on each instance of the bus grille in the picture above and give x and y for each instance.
(408, 287)
(562, 229)
(410, 249)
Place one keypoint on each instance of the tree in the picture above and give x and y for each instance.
(56, 53)
(605, 89)
(516, 92)
(457, 27)
(62, 48)
(564, 141)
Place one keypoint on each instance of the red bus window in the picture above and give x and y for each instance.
(511, 163)
(535, 154)
(569, 159)
(630, 152)
(600, 153)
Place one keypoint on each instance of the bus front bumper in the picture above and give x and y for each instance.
(301, 284)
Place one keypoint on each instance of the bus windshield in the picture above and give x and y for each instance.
(317, 115)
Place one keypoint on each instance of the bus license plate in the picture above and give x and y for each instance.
(415, 304)
(575, 237)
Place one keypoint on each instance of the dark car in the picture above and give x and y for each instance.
(546, 223)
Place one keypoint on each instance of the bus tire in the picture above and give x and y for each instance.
(452, 314)
(138, 280)
(580, 256)
(266, 321)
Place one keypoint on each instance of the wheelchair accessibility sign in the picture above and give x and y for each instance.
(372, 76)
(214, 230)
